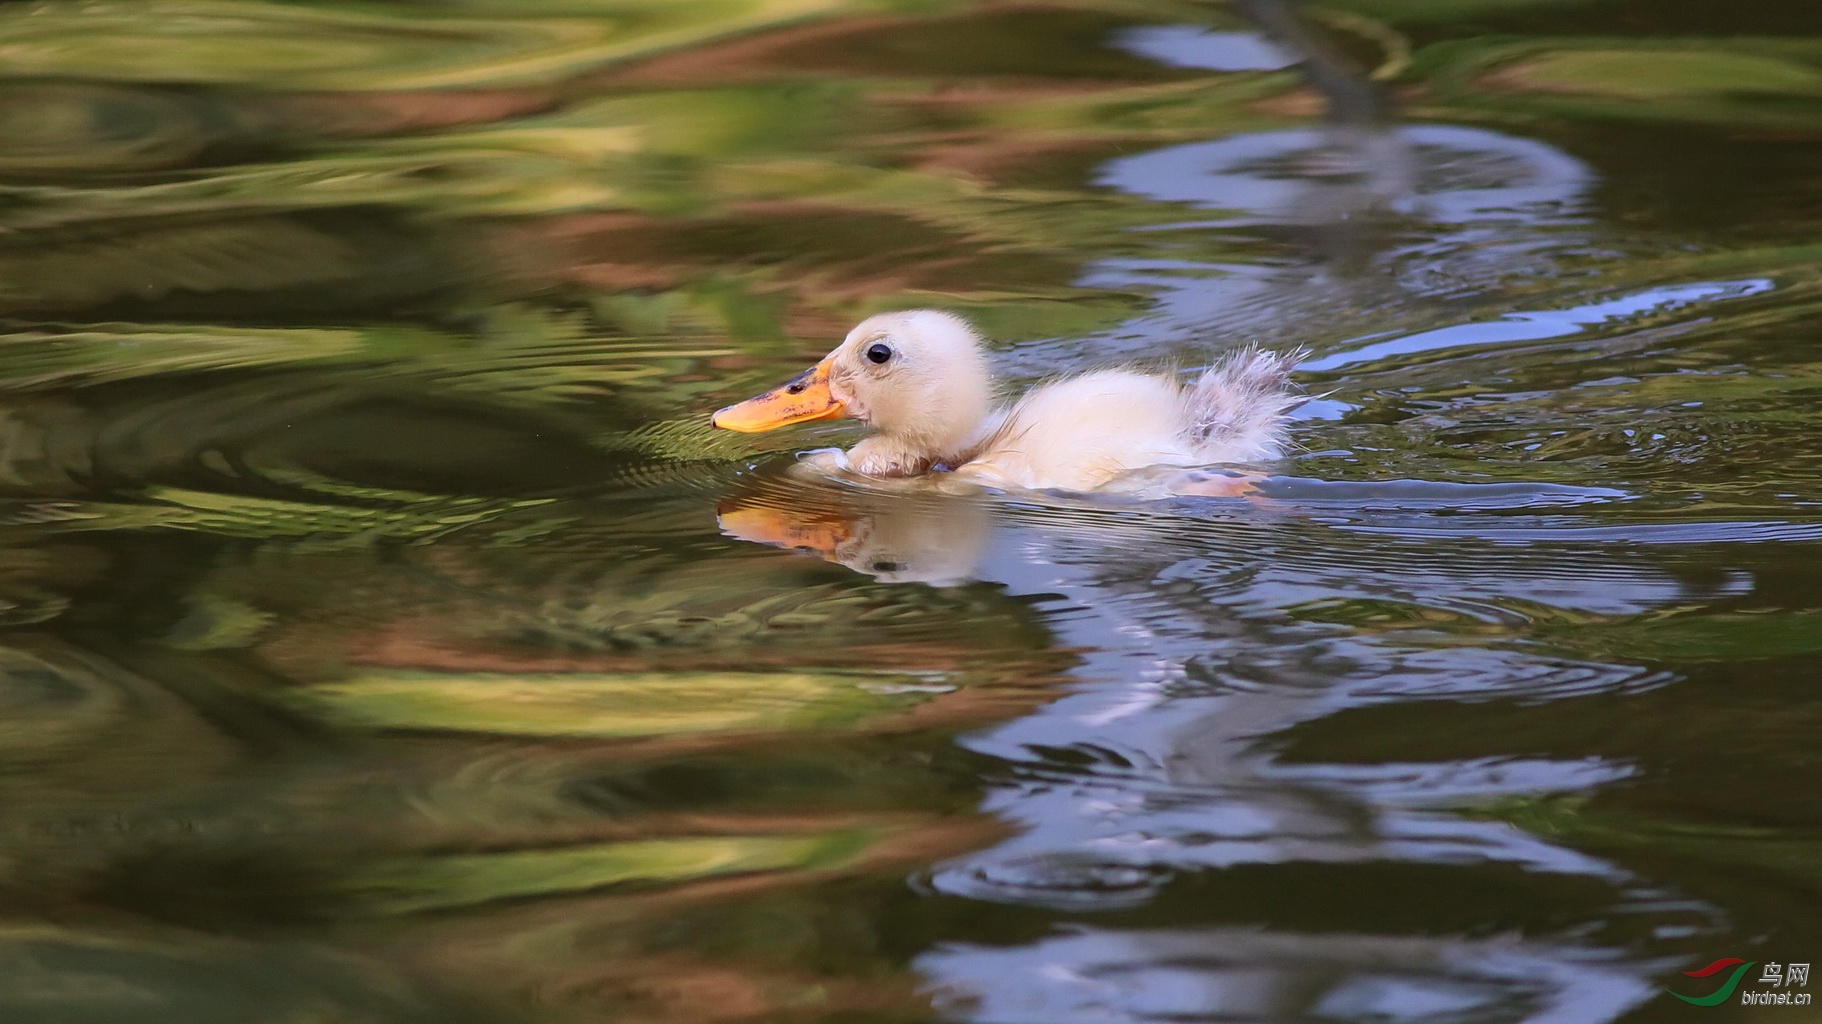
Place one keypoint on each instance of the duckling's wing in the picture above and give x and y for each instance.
(1237, 408)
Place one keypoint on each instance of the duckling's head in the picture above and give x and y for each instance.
(918, 377)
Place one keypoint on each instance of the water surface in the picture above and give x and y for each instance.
(388, 639)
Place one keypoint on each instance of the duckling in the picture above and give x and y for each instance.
(921, 380)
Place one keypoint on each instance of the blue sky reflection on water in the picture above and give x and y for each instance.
(1434, 210)
(1171, 776)
(1540, 324)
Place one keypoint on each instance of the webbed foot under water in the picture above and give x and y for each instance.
(920, 378)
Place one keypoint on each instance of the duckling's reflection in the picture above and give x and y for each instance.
(936, 539)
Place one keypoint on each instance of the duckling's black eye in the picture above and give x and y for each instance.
(879, 353)
(883, 566)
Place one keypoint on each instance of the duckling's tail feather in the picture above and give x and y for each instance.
(1238, 406)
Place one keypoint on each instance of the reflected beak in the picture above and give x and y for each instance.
(763, 525)
(804, 399)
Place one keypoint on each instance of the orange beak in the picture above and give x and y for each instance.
(805, 398)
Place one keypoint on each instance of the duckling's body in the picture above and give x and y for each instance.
(921, 379)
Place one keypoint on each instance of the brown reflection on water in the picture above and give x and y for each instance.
(257, 774)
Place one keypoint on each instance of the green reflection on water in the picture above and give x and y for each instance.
(440, 882)
(364, 47)
(619, 705)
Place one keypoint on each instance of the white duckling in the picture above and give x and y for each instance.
(921, 380)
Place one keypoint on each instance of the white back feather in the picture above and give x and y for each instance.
(1237, 407)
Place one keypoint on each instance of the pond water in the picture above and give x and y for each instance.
(389, 639)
